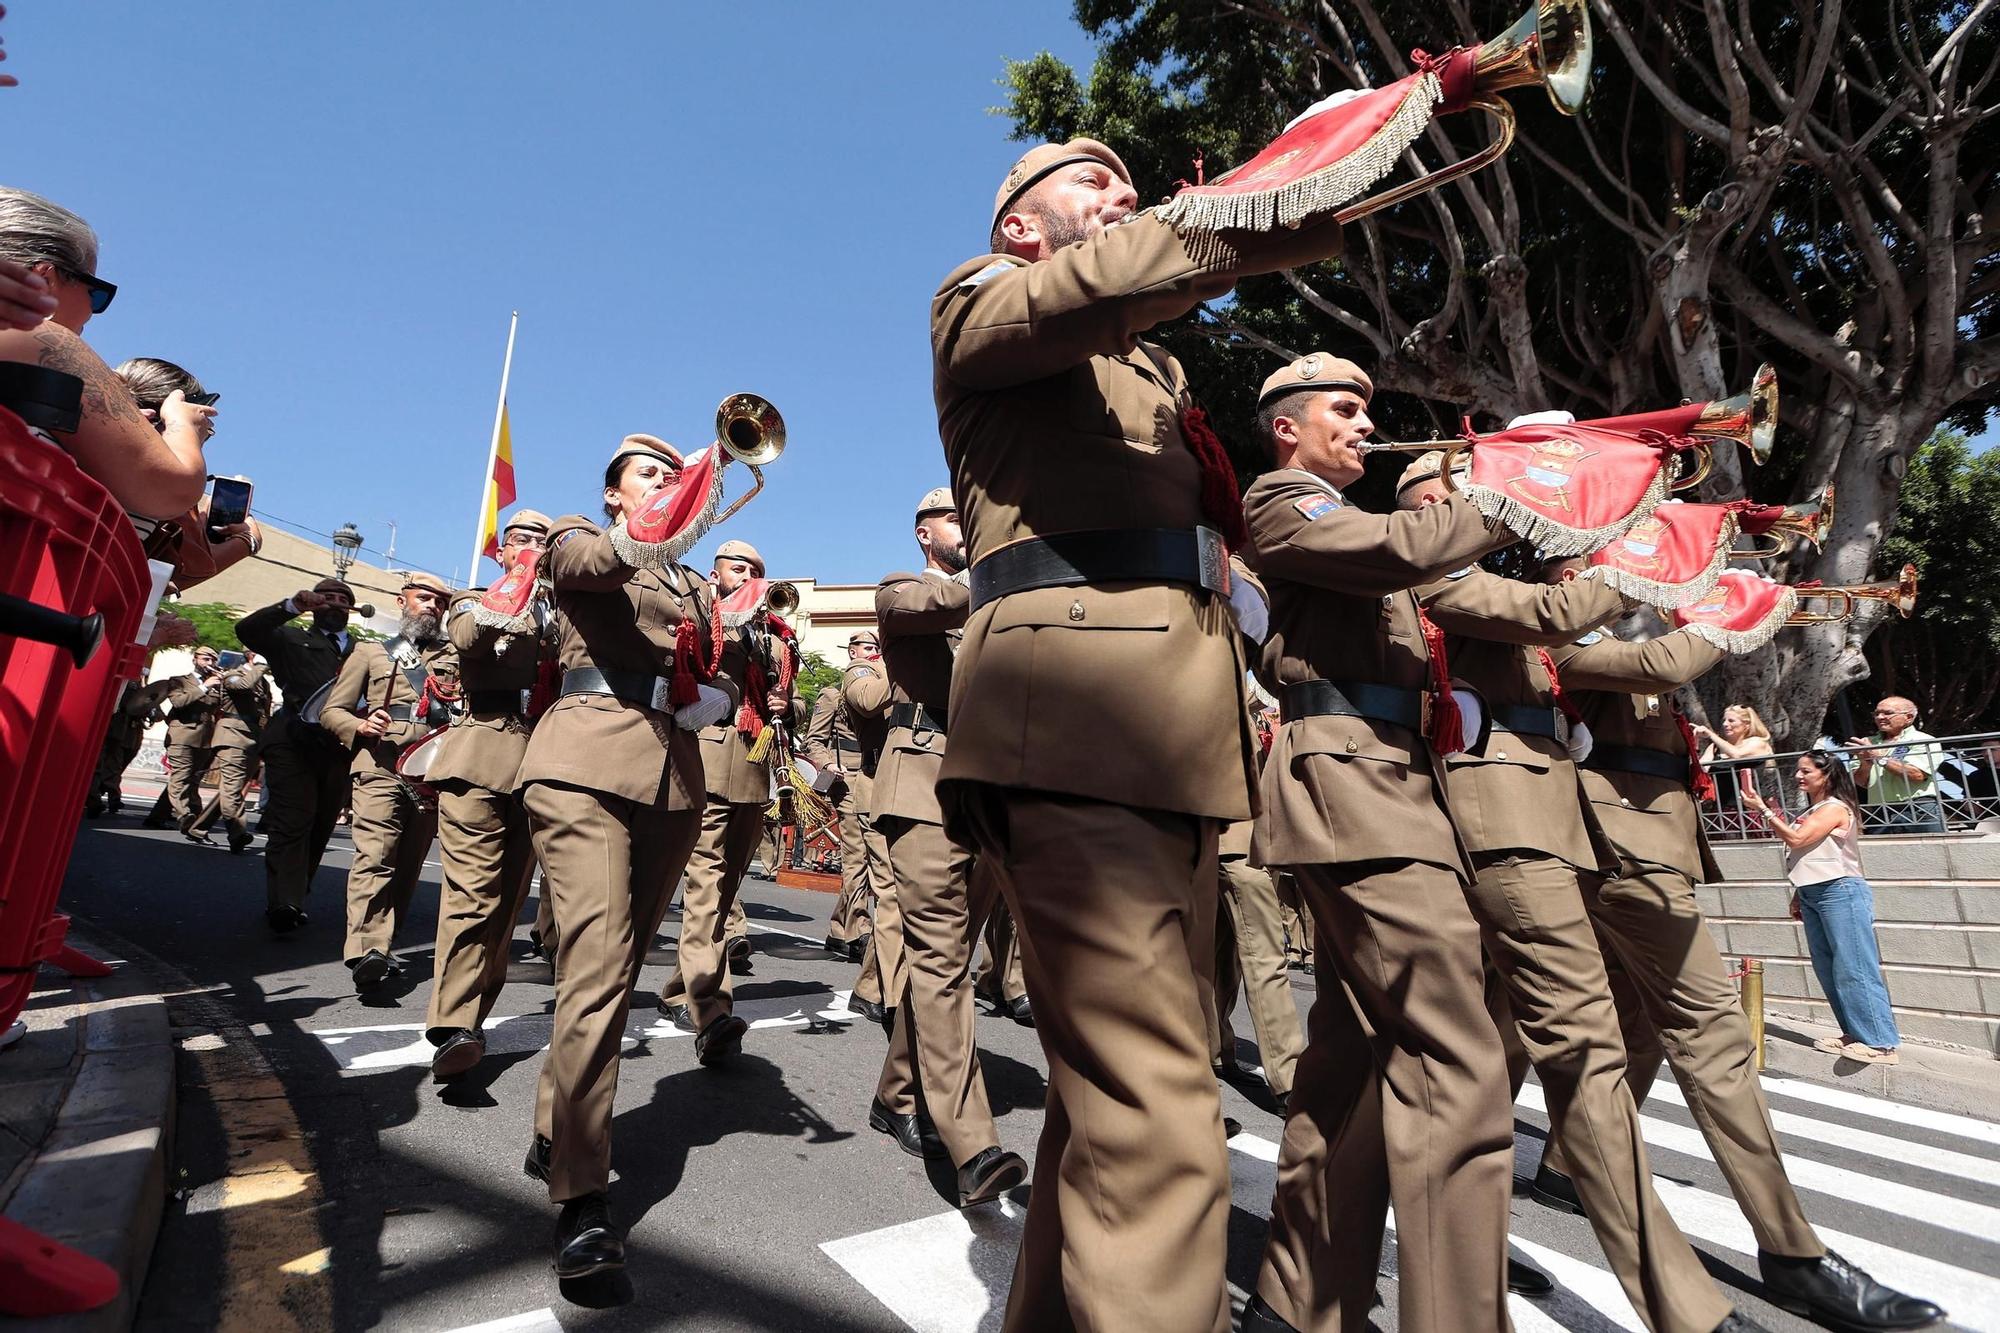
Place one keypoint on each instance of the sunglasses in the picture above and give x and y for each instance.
(101, 291)
(203, 399)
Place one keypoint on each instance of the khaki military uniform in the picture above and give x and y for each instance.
(614, 793)
(239, 730)
(125, 736)
(1250, 955)
(998, 976)
(485, 853)
(732, 824)
(942, 897)
(1520, 812)
(1056, 419)
(864, 693)
(1401, 1092)
(192, 706)
(393, 823)
(832, 747)
(1672, 988)
(305, 768)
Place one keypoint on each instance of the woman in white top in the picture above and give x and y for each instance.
(1836, 906)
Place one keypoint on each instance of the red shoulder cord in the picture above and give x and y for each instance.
(1564, 703)
(1221, 502)
(691, 669)
(1699, 780)
(1447, 723)
(752, 717)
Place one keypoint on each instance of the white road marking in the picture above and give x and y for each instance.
(947, 1273)
(534, 1321)
(1899, 1113)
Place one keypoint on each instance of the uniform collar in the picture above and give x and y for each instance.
(1317, 480)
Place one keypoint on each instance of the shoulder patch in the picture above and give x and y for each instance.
(1590, 638)
(1461, 573)
(993, 269)
(1316, 506)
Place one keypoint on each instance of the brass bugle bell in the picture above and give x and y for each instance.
(1551, 45)
(1807, 522)
(749, 431)
(1847, 598)
(1750, 418)
(781, 598)
(1455, 452)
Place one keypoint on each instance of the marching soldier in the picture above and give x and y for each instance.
(138, 706)
(1093, 494)
(833, 747)
(1518, 812)
(246, 707)
(387, 696)
(1250, 953)
(305, 769)
(941, 896)
(865, 695)
(613, 785)
(697, 992)
(997, 980)
(485, 855)
(191, 714)
(1401, 1092)
(1673, 990)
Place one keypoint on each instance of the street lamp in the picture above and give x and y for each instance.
(346, 542)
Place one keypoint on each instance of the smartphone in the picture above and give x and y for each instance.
(228, 504)
(227, 661)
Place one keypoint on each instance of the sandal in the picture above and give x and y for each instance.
(1870, 1055)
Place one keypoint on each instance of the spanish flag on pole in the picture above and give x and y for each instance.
(499, 490)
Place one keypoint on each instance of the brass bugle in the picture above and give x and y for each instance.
(749, 431)
(1551, 45)
(1454, 453)
(1750, 418)
(1847, 598)
(781, 598)
(1807, 522)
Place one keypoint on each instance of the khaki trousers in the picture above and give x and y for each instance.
(1539, 938)
(186, 766)
(309, 781)
(545, 920)
(850, 913)
(392, 834)
(1673, 994)
(235, 765)
(942, 896)
(1400, 1096)
(488, 859)
(1115, 906)
(1296, 917)
(998, 976)
(726, 841)
(882, 974)
(1250, 952)
(609, 866)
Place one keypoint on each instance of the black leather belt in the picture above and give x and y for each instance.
(634, 687)
(1194, 556)
(1377, 703)
(1639, 759)
(914, 716)
(1525, 721)
(409, 713)
(493, 701)
(401, 713)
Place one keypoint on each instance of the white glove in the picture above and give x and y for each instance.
(1543, 419)
(1580, 741)
(709, 709)
(1345, 95)
(1471, 715)
(1252, 612)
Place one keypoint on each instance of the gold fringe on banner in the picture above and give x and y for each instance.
(1319, 192)
(1673, 596)
(1559, 539)
(1747, 640)
(523, 623)
(664, 555)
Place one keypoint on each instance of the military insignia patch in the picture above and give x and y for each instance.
(1316, 506)
(1590, 638)
(996, 267)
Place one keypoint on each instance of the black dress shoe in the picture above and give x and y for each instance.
(677, 1014)
(284, 920)
(1833, 1292)
(457, 1054)
(586, 1242)
(1020, 1011)
(1524, 1279)
(721, 1040)
(868, 1009)
(239, 838)
(154, 822)
(1259, 1317)
(990, 1174)
(1555, 1190)
(913, 1134)
(737, 948)
(537, 1162)
(857, 949)
(370, 969)
(1738, 1322)
(199, 837)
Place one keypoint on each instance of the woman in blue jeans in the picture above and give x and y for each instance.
(1837, 907)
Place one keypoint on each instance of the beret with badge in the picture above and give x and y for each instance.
(1319, 372)
(1038, 162)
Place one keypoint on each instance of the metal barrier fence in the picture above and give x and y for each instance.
(1967, 778)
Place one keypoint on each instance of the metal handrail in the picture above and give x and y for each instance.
(1968, 791)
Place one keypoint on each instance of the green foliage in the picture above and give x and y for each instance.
(815, 674)
(1947, 657)
(215, 621)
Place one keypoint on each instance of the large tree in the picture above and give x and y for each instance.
(1804, 183)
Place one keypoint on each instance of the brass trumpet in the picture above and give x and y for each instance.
(750, 431)
(781, 598)
(1807, 522)
(1901, 594)
(1551, 45)
(1750, 418)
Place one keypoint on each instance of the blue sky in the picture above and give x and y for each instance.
(327, 211)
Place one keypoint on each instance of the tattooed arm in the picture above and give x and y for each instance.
(156, 474)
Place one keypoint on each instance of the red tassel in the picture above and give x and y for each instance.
(1447, 723)
(687, 645)
(1699, 780)
(1221, 502)
(1564, 703)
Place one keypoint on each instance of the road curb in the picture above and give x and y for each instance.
(98, 1182)
(1960, 1082)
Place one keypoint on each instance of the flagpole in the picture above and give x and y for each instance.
(493, 452)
